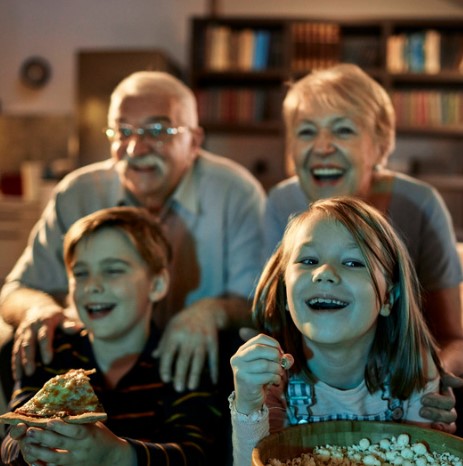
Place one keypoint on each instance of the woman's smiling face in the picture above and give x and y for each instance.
(333, 152)
(330, 292)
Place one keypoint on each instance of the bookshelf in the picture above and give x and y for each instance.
(239, 67)
(236, 72)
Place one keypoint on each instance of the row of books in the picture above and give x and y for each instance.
(428, 108)
(231, 105)
(426, 51)
(240, 49)
(315, 45)
(413, 108)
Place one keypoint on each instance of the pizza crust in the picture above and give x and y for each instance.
(60, 396)
(85, 418)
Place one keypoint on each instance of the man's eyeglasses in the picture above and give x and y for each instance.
(157, 131)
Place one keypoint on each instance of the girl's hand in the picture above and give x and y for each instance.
(77, 444)
(256, 364)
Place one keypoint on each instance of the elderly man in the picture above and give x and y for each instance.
(210, 207)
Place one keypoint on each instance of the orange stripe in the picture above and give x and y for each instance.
(135, 388)
(134, 415)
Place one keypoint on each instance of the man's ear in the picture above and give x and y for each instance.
(197, 135)
(159, 286)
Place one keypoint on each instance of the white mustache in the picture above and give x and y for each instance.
(146, 161)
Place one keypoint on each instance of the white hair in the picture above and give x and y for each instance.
(156, 83)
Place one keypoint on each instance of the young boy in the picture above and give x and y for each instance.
(116, 260)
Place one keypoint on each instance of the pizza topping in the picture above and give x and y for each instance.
(69, 394)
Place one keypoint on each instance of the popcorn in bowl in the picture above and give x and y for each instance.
(387, 452)
(354, 443)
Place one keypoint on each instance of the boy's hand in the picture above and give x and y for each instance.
(73, 444)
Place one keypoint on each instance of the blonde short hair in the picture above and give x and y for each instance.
(347, 88)
(156, 83)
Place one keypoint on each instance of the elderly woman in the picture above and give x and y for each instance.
(340, 130)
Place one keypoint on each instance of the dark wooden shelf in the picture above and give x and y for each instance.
(271, 127)
(442, 78)
(250, 77)
(453, 132)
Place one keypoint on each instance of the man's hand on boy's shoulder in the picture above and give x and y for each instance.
(189, 339)
(37, 330)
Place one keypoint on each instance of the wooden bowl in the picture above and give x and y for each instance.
(293, 441)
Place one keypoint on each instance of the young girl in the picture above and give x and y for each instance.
(116, 261)
(341, 297)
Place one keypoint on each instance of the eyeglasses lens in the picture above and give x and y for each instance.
(155, 131)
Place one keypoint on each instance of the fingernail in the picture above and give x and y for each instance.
(179, 387)
(67, 324)
(192, 385)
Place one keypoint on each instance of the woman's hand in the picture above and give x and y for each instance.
(440, 407)
(78, 444)
(256, 364)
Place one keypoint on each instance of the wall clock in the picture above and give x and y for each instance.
(35, 72)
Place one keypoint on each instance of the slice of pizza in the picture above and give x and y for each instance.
(69, 396)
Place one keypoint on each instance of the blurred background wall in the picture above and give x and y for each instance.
(57, 29)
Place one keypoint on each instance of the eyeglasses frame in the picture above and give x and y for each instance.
(142, 131)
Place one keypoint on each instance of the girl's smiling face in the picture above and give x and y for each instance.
(330, 292)
(334, 154)
(111, 285)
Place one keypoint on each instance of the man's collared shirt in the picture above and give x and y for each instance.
(213, 220)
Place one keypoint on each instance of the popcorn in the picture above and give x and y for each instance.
(387, 452)
(287, 361)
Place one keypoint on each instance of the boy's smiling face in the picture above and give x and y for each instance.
(111, 285)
